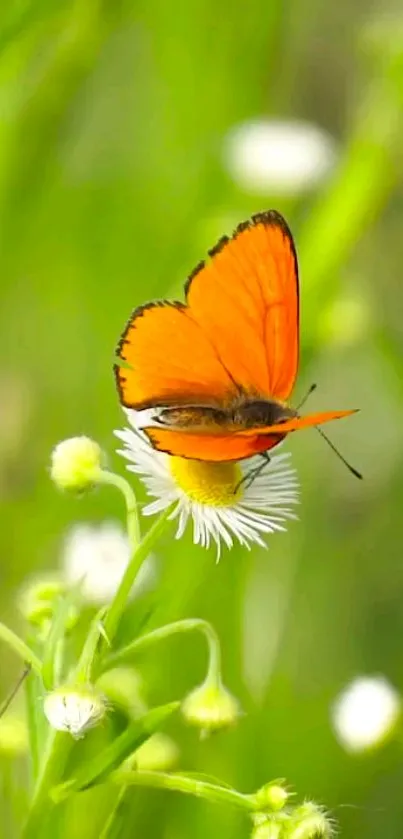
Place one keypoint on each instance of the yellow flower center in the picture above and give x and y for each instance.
(213, 484)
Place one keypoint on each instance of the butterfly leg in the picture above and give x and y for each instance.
(251, 476)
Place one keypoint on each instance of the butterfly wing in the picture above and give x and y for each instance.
(213, 447)
(246, 301)
(235, 446)
(237, 335)
(172, 361)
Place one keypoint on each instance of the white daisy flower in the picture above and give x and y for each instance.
(97, 557)
(212, 495)
(365, 713)
(288, 157)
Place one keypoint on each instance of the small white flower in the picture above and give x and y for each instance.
(286, 157)
(212, 495)
(97, 556)
(74, 709)
(365, 713)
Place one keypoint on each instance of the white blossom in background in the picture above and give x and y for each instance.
(286, 157)
(97, 556)
(365, 713)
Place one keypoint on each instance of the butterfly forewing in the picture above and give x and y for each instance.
(237, 335)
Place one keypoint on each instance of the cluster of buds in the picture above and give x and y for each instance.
(278, 820)
(40, 598)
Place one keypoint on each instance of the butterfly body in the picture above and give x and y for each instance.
(239, 416)
(219, 368)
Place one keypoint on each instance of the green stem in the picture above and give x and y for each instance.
(54, 647)
(31, 701)
(114, 814)
(140, 553)
(20, 647)
(86, 661)
(36, 721)
(133, 525)
(186, 784)
(214, 667)
(188, 625)
(58, 748)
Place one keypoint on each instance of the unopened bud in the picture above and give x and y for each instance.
(269, 826)
(123, 688)
(157, 754)
(211, 707)
(76, 463)
(39, 599)
(272, 796)
(270, 830)
(74, 709)
(309, 821)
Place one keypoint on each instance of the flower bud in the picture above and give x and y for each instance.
(74, 709)
(210, 707)
(309, 821)
(157, 754)
(272, 797)
(76, 463)
(268, 830)
(123, 688)
(269, 827)
(38, 601)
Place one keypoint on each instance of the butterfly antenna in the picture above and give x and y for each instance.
(339, 455)
(308, 393)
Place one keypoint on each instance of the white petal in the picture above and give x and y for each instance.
(264, 507)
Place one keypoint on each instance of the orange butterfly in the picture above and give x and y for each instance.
(219, 368)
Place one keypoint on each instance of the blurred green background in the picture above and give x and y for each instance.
(114, 180)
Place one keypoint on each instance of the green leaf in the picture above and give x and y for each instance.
(98, 768)
(89, 651)
(55, 638)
